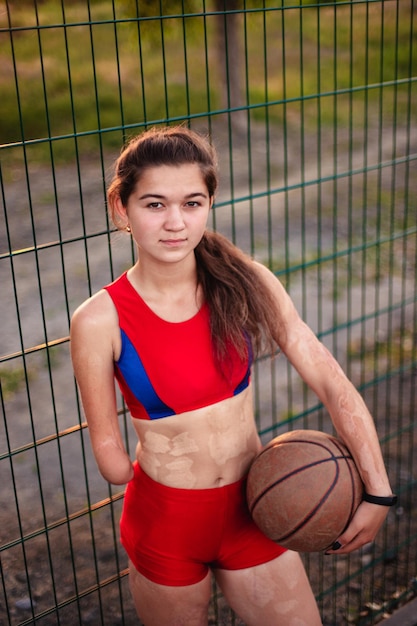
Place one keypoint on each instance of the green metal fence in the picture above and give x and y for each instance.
(313, 107)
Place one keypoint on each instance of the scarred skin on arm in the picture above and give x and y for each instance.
(347, 408)
(349, 414)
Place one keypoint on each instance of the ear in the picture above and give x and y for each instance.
(120, 213)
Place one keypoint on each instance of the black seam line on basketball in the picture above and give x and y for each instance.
(282, 443)
(308, 517)
(294, 473)
(353, 500)
(311, 443)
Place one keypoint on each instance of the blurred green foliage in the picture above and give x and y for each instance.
(72, 68)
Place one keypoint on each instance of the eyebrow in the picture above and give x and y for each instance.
(161, 197)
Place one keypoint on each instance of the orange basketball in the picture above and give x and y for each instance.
(303, 489)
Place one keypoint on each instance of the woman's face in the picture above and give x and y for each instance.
(168, 211)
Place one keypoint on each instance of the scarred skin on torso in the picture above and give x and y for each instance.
(200, 449)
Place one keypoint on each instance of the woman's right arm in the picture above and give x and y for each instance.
(94, 331)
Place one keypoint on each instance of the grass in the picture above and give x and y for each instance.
(91, 77)
(13, 379)
(326, 52)
(96, 75)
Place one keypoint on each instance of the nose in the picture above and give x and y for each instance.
(174, 219)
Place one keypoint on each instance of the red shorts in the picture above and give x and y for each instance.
(173, 536)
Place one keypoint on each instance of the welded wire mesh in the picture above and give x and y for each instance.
(312, 106)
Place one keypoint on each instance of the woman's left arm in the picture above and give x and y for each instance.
(349, 414)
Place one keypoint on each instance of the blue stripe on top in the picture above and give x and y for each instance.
(138, 381)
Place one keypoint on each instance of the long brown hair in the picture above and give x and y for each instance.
(238, 300)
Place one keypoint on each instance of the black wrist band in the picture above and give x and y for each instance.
(382, 500)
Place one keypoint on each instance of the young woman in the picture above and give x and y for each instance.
(179, 331)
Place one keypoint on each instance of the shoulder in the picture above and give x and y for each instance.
(95, 316)
(287, 314)
(272, 282)
(96, 309)
(94, 337)
(263, 271)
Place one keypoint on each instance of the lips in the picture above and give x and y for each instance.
(173, 242)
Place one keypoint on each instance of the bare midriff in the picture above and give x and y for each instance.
(201, 449)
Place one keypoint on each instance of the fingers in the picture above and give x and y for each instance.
(363, 529)
(345, 546)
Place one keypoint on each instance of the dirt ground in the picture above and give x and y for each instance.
(82, 548)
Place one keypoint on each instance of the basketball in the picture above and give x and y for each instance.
(303, 489)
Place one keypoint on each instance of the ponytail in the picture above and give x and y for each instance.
(238, 300)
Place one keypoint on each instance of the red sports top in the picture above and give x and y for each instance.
(167, 368)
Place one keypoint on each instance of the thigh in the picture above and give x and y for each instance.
(162, 605)
(276, 593)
